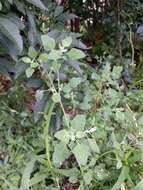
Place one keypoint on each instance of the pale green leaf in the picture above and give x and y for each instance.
(48, 42)
(67, 41)
(43, 57)
(61, 153)
(25, 182)
(32, 53)
(78, 123)
(75, 54)
(63, 135)
(55, 55)
(26, 59)
(29, 72)
(81, 152)
(34, 64)
(93, 145)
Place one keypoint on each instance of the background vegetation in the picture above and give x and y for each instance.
(71, 95)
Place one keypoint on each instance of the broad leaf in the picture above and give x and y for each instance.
(60, 153)
(48, 42)
(78, 122)
(67, 41)
(11, 31)
(81, 152)
(37, 3)
(75, 54)
(55, 55)
(63, 135)
(29, 72)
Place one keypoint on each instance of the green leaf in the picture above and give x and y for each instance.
(32, 53)
(34, 64)
(88, 177)
(43, 57)
(37, 178)
(74, 82)
(11, 31)
(55, 55)
(93, 145)
(122, 177)
(29, 72)
(37, 3)
(63, 135)
(56, 97)
(67, 41)
(26, 59)
(81, 152)
(56, 66)
(78, 123)
(60, 153)
(25, 182)
(75, 54)
(48, 42)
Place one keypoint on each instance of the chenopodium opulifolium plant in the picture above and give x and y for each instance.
(98, 143)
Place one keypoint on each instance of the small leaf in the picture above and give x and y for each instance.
(34, 64)
(43, 57)
(32, 53)
(67, 41)
(63, 135)
(75, 54)
(81, 152)
(60, 153)
(119, 164)
(48, 42)
(26, 59)
(29, 72)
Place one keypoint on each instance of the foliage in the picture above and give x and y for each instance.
(64, 124)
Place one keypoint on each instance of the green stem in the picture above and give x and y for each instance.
(46, 138)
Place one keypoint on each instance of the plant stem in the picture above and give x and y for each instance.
(46, 138)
